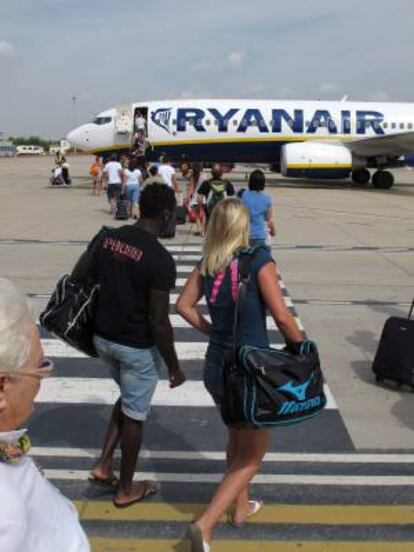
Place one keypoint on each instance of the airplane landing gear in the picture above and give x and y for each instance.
(383, 180)
(361, 176)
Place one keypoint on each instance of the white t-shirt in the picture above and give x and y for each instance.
(166, 172)
(140, 122)
(133, 178)
(34, 515)
(113, 170)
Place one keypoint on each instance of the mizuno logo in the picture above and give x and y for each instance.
(298, 391)
(162, 118)
(292, 407)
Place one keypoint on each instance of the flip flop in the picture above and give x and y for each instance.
(110, 481)
(195, 537)
(149, 488)
(257, 505)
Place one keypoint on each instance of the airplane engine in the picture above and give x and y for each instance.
(314, 160)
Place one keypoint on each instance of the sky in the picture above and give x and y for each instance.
(109, 52)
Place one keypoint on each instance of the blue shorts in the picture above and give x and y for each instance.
(136, 372)
(132, 193)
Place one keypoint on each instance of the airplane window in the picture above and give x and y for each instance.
(208, 122)
(102, 120)
(385, 125)
(410, 126)
(394, 125)
(215, 122)
(402, 126)
(307, 124)
(235, 122)
(174, 122)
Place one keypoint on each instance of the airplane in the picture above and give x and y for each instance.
(301, 139)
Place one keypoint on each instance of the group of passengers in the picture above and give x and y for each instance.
(134, 338)
(127, 177)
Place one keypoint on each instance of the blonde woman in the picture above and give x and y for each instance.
(228, 235)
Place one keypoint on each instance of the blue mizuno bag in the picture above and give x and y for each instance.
(265, 387)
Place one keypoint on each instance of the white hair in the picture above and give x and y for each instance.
(14, 313)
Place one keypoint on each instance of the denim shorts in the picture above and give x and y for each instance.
(136, 372)
(132, 194)
(216, 360)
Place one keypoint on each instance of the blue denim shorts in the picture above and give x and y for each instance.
(216, 360)
(132, 194)
(136, 372)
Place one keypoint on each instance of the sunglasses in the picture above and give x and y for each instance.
(43, 370)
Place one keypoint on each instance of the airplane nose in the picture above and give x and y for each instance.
(78, 137)
(73, 138)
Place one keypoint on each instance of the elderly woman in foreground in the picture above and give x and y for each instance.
(33, 514)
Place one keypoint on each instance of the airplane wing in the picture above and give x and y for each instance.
(394, 144)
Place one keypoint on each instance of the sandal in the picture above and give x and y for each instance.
(255, 507)
(195, 537)
(148, 488)
(111, 481)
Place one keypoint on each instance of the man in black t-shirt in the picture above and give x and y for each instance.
(133, 331)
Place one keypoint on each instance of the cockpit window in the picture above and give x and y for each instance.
(102, 120)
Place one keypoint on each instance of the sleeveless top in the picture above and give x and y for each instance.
(221, 294)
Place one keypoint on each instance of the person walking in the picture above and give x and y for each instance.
(167, 173)
(214, 190)
(227, 236)
(196, 202)
(96, 173)
(260, 209)
(154, 177)
(133, 331)
(34, 515)
(113, 176)
(131, 187)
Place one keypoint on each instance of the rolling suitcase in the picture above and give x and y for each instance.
(169, 232)
(121, 212)
(394, 359)
(181, 214)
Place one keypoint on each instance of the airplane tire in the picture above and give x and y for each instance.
(383, 180)
(361, 176)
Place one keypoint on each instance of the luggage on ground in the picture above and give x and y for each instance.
(181, 214)
(170, 230)
(121, 212)
(394, 359)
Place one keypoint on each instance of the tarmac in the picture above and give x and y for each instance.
(346, 258)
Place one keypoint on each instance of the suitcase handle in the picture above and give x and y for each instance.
(411, 310)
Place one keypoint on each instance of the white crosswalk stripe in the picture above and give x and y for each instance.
(192, 350)
(105, 391)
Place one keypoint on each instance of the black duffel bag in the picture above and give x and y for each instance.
(265, 387)
(70, 314)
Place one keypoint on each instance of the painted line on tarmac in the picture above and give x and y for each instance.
(105, 391)
(328, 458)
(104, 544)
(277, 514)
(198, 247)
(261, 479)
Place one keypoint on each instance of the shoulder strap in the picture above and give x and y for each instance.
(243, 264)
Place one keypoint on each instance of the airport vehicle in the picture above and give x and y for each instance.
(30, 150)
(310, 139)
(7, 149)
